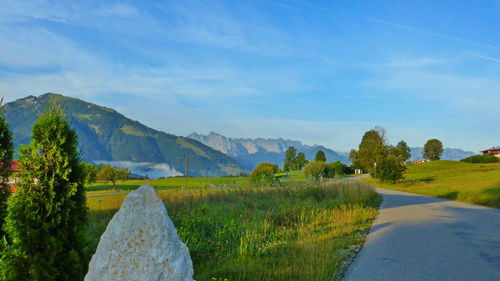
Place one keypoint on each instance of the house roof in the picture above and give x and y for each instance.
(491, 149)
(14, 166)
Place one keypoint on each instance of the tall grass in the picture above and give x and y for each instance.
(300, 232)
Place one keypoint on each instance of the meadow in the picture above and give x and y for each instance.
(296, 232)
(474, 183)
(170, 184)
(193, 183)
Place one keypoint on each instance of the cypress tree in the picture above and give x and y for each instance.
(6, 154)
(47, 216)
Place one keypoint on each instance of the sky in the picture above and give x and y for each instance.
(322, 72)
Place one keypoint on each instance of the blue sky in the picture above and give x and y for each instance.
(322, 72)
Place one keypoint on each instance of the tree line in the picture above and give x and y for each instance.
(104, 173)
(264, 173)
(387, 162)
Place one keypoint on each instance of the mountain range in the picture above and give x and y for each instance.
(454, 154)
(107, 136)
(250, 152)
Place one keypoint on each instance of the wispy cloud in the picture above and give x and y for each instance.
(418, 62)
(488, 58)
(431, 33)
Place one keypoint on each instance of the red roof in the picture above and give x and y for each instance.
(491, 149)
(14, 166)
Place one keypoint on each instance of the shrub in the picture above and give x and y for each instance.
(390, 169)
(330, 171)
(485, 158)
(315, 170)
(340, 168)
(263, 175)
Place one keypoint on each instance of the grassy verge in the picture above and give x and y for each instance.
(460, 181)
(290, 233)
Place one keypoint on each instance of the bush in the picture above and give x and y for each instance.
(340, 168)
(390, 169)
(485, 158)
(330, 171)
(315, 170)
(263, 175)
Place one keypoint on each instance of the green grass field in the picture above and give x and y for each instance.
(193, 183)
(454, 180)
(296, 232)
(171, 183)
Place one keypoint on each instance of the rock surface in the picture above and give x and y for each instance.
(141, 243)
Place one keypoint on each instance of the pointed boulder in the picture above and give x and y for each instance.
(141, 243)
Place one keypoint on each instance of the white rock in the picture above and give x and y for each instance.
(141, 244)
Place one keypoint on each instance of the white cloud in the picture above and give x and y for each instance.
(152, 170)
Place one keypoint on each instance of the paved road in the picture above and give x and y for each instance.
(423, 238)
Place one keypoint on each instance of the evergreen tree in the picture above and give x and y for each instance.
(290, 159)
(6, 154)
(47, 217)
(301, 161)
(433, 149)
(320, 156)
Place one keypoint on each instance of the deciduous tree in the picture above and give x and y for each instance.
(90, 172)
(403, 151)
(112, 174)
(390, 169)
(353, 157)
(320, 156)
(433, 149)
(301, 161)
(290, 159)
(372, 150)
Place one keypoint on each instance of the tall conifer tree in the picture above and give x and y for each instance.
(6, 154)
(47, 217)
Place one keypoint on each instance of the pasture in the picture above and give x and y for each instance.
(466, 182)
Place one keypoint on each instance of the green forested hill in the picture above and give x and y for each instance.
(105, 134)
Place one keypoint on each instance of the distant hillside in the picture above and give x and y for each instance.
(106, 135)
(448, 154)
(250, 152)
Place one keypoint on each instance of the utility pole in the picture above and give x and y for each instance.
(187, 172)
